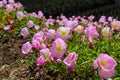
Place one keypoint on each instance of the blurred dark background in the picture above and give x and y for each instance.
(73, 7)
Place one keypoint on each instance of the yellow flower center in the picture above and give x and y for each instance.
(105, 32)
(115, 25)
(52, 33)
(103, 62)
(63, 32)
(59, 48)
(79, 30)
(46, 55)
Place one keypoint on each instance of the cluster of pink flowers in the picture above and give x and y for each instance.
(75, 25)
(58, 35)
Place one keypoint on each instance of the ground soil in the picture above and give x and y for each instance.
(12, 66)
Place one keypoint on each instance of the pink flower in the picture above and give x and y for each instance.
(40, 61)
(91, 17)
(40, 14)
(36, 44)
(18, 5)
(9, 8)
(33, 14)
(43, 46)
(20, 15)
(103, 73)
(30, 24)
(24, 32)
(1, 4)
(106, 66)
(26, 48)
(91, 33)
(70, 24)
(58, 48)
(63, 33)
(79, 29)
(4, 2)
(115, 25)
(50, 34)
(106, 32)
(11, 1)
(39, 36)
(70, 60)
(45, 53)
(37, 27)
(7, 27)
(110, 19)
(102, 19)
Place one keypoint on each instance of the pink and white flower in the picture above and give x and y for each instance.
(106, 66)
(26, 48)
(58, 48)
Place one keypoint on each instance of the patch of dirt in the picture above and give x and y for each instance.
(12, 66)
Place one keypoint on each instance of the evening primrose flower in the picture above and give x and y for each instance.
(106, 66)
(20, 15)
(58, 48)
(39, 36)
(63, 33)
(1, 4)
(9, 8)
(91, 18)
(7, 27)
(102, 19)
(79, 29)
(40, 14)
(45, 53)
(37, 27)
(70, 24)
(24, 32)
(105, 32)
(36, 44)
(4, 2)
(26, 48)
(115, 25)
(18, 5)
(70, 61)
(50, 34)
(11, 1)
(30, 24)
(40, 61)
(91, 33)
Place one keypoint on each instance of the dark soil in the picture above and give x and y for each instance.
(12, 66)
